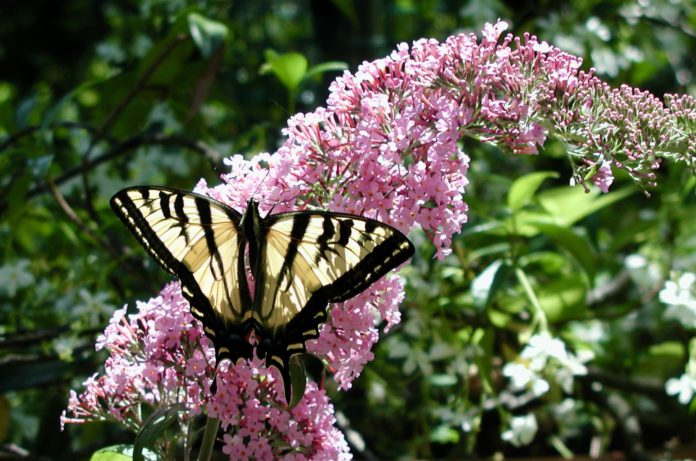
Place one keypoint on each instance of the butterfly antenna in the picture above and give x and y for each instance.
(258, 186)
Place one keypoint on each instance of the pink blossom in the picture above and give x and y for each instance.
(603, 177)
(249, 404)
(153, 355)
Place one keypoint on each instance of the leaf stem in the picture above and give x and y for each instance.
(211, 428)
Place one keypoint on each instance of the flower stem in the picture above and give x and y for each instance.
(211, 428)
(539, 318)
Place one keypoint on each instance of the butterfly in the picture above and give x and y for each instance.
(299, 262)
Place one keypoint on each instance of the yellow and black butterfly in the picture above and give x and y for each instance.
(300, 262)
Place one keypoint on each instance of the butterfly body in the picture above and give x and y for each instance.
(299, 263)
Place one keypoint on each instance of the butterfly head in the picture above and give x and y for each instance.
(251, 222)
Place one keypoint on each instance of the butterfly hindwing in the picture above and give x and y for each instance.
(311, 259)
(198, 240)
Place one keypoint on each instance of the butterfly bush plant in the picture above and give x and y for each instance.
(386, 146)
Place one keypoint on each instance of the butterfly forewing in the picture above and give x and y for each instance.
(312, 259)
(195, 238)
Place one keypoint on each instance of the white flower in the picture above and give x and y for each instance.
(521, 377)
(684, 387)
(92, 307)
(522, 430)
(591, 331)
(547, 354)
(679, 292)
(15, 276)
(680, 299)
(643, 272)
(540, 348)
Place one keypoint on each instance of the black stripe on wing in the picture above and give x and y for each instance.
(131, 215)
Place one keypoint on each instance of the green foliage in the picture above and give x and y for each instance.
(98, 95)
(292, 69)
(298, 380)
(153, 432)
(121, 453)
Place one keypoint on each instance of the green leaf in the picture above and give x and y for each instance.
(39, 166)
(113, 453)
(17, 195)
(121, 453)
(576, 245)
(155, 426)
(444, 434)
(315, 368)
(523, 189)
(329, 66)
(673, 349)
(442, 380)
(501, 248)
(569, 205)
(165, 60)
(662, 359)
(298, 380)
(208, 35)
(24, 110)
(563, 299)
(53, 112)
(289, 68)
(519, 224)
(487, 283)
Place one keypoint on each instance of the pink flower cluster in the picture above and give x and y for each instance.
(346, 341)
(681, 134)
(259, 427)
(160, 357)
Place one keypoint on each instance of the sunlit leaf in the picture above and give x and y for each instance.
(563, 299)
(289, 68)
(486, 284)
(662, 359)
(523, 189)
(207, 34)
(121, 453)
(442, 380)
(568, 205)
(579, 247)
(113, 453)
(444, 434)
(329, 66)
